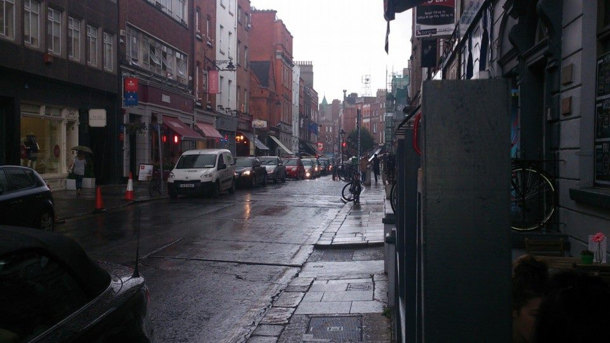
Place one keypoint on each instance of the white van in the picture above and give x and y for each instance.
(201, 171)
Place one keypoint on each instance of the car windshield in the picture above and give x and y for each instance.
(307, 163)
(269, 161)
(243, 162)
(196, 161)
(291, 162)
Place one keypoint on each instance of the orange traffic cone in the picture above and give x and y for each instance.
(129, 192)
(99, 203)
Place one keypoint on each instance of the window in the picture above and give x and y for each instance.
(198, 21)
(220, 84)
(196, 81)
(7, 18)
(246, 57)
(54, 31)
(167, 61)
(29, 280)
(74, 39)
(222, 32)
(374, 127)
(91, 46)
(246, 101)
(207, 27)
(181, 10)
(602, 134)
(230, 44)
(237, 53)
(229, 91)
(133, 48)
(31, 23)
(181, 67)
(247, 20)
(239, 14)
(108, 51)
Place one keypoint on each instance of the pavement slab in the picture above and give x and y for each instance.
(277, 315)
(335, 307)
(289, 299)
(347, 296)
(367, 307)
(268, 330)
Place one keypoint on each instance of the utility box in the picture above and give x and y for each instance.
(464, 231)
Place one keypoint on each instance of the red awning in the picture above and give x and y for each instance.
(182, 129)
(209, 131)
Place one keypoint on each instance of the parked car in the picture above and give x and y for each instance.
(51, 291)
(202, 171)
(294, 168)
(276, 170)
(25, 199)
(327, 167)
(249, 171)
(311, 168)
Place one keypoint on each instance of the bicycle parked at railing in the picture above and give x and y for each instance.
(532, 195)
(351, 191)
(157, 183)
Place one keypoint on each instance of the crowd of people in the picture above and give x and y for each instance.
(566, 306)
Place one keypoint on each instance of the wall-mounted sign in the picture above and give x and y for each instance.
(131, 84)
(165, 98)
(435, 18)
(131, 99)
(97, 118)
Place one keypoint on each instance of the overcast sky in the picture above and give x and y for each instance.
(345, 41)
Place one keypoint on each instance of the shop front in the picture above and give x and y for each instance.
(47, 134)
(227, 127)
(174, 137)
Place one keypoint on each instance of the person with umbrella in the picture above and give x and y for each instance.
(77, 167)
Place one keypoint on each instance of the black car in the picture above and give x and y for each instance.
(276, 170)
(52, 292)
(25, 199)
(249, 171)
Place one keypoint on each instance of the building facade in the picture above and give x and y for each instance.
(59, 86)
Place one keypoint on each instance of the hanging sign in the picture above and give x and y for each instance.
(213, 82)
(131, 84)
(435, 18)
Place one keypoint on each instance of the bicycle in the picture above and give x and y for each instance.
(157, 184)
(532, 196)
(351, 191)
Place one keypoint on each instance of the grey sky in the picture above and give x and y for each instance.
(345, 41)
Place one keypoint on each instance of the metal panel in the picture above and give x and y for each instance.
(465, 211)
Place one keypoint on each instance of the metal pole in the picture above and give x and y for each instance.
(358, 128)
(160, 156)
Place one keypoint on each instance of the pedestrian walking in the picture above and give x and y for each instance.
(77, 167)
(376, 166)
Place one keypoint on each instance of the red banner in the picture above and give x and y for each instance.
(213, 82)
(131, 84)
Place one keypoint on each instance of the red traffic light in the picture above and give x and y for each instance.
(343, 144)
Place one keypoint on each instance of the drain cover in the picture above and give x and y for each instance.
(360, 286)
(336, 328)
(337, 255)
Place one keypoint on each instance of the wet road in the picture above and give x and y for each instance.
(214, 265)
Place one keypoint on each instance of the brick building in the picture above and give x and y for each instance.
(58, 67)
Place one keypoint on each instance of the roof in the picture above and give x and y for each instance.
(93, 278)
(205, 151)
(261, 70)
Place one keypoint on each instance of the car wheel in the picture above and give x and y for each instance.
(232, 189)
(216, 190)
(284, 178)
(265, 180)
(277, 178)
(47, 221)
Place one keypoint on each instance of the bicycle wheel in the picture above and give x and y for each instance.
(532, 199)
(152, 186)
(394, 198)
(161, 187)
(347, 194)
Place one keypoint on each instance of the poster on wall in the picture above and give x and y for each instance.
(435, 18)
(146, 172)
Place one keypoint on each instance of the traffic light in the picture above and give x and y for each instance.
(176, 139)
(344, 144)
